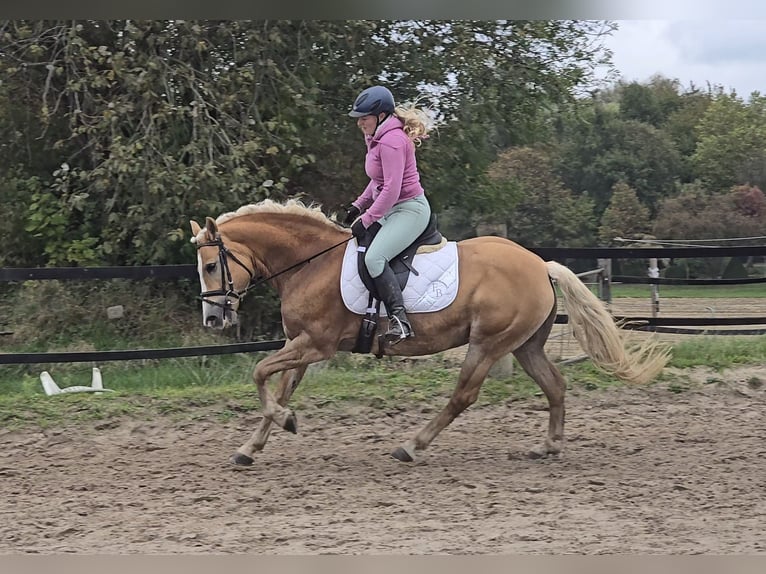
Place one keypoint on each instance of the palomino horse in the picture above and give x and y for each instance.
(506, 303)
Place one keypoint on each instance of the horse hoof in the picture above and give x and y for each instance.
(402, 455)
(291, 424)
(537, 454)
(540, 453)
(240, 459)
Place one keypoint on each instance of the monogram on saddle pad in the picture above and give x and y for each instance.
(427, 272)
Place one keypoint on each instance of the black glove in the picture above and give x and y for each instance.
(358, 229)
(352, 212)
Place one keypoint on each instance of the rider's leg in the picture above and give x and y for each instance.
(404, 223)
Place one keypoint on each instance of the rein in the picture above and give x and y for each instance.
(227, 290)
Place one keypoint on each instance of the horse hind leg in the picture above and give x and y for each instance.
(472, 374)
(532, 358)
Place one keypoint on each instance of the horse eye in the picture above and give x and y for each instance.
(210, 267)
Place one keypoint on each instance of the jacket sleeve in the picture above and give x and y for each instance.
(365, 199)
(392, 157)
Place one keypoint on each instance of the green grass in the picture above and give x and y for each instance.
(221, 388)
(757, 290)
(719, 352)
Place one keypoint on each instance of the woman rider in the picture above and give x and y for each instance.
(394, 197)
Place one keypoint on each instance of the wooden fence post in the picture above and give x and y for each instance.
(605, 280)
(654, 272)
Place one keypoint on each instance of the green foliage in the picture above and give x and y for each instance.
(698, 214)
(72, 314)
(117, 132)
(626, 216)
(730, 150)
(21, 245)
(650, 103)
(135, 126)
(598, 149)
(539, 210)
(682, 128)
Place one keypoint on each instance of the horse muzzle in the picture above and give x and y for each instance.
(219, 316)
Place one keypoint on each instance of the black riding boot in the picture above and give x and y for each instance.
(399, 327)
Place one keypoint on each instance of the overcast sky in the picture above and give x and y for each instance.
(729, 53)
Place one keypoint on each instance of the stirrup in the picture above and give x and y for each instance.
(399, 332)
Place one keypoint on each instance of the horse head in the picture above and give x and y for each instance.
(223, 274)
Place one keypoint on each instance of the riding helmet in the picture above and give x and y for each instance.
(373, 101)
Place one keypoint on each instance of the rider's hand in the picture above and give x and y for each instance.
(352, 212)
(358, 229)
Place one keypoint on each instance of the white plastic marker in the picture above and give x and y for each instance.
(51, 388)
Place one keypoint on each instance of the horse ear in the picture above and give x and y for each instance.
(211, 228)
(195, 228)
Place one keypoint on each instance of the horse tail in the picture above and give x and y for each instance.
(600, 337)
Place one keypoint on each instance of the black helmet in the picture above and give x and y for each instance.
(373, 101)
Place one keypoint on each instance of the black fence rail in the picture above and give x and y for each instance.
(100, 356)
(177, 272)
(557, 253)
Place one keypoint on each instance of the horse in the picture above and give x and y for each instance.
(506, 303)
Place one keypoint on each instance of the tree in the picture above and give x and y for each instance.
(597, 149)
(135, 126)
(152, 122)
(682, 127)
(749, 201)
(539, 211)
(638, 102)
(625, 216)
(698, 214)
(731, 148)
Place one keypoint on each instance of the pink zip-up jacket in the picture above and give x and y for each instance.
(390, 164)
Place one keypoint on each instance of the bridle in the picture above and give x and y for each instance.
(227, 289)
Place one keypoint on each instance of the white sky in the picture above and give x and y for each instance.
(729, 53)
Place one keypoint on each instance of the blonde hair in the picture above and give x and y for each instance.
(417, 122)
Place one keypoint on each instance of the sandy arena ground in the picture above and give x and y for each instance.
(645, 470)
(671, 468)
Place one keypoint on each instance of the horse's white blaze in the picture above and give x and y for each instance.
(207, 308)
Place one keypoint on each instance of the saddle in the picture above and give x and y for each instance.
(402, 263)
(402, 267)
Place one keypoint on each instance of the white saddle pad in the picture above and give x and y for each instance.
(432, 290)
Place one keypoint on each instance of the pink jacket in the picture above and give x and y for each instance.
(390, 164)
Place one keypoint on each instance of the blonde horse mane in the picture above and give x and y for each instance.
(290, 207)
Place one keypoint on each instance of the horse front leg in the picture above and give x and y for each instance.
(297, 354)
(288, 382)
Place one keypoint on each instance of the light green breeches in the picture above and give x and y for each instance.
(399, 228)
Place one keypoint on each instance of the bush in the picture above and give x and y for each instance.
(735, 269)
(45, 313)
(677, 270)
